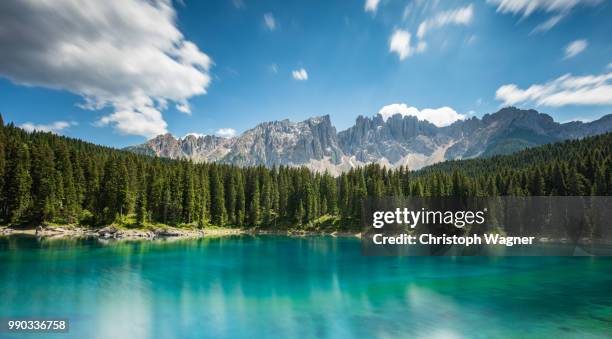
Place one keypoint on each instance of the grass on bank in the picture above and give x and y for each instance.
(323, 224)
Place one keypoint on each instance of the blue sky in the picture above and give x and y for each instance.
(127, 72)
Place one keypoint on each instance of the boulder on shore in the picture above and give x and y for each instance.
(168, 232)
(108, 231)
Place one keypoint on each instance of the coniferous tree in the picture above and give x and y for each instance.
(141, 208)
(188, 194)
(219, 214)
(231, 196)
(240, 213)
(266, 198)
(69, 204)
(254, 201)
(537, 186)
(49, 178)
(44, 176)
(2, 165)
(17, 183)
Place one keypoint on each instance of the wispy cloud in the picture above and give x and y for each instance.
(269, 21)
(461, 16)
(128, 55)
(300, 74)
(184, 108)
(404, 43)
(563, 91)
(371, 5)
(528, 7)
(225, 132)
(442, 116)
(238, 4)
(54, 127)
(560, 9)
(548, 24)
(574, 48)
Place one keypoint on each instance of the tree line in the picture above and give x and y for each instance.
(46, 178)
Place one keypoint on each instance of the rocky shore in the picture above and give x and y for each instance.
(112, 232)
(115, 233)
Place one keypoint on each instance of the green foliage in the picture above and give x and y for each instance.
(45, 178)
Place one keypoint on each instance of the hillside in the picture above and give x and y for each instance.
(45, 178)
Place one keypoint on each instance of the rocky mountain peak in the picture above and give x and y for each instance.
(396, 141)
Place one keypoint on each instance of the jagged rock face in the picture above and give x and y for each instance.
(206, 148)
(372, 139)
(512, 129)
(286, 143)
(397, 141)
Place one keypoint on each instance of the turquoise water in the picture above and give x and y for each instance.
(270, 287)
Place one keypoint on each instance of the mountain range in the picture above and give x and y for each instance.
(394, 141)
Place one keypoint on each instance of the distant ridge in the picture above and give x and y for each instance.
(394, 142)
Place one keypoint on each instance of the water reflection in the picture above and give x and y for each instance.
(244, 286)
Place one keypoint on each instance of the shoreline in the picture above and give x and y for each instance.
(110, 233)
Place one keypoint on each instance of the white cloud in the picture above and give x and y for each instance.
(548, 24)
(574, 48)
(300, 74)
(561, 8)
(565, 90)
(193, 134)
(55, 127)
(371, 5)
(124, 54)
(528, 7)
(400, 43)
(401, 40)
(183, 107)
(144, 120)
(440, 117)
(226, 132)
(460, 16)
(269, 21)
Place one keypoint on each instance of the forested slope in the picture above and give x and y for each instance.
(45, 178)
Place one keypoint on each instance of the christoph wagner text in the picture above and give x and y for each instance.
(429, 239)
(414, 218)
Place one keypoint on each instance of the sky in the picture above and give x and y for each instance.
(120, 71)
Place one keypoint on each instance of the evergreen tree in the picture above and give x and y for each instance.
(254, 202)
(537, 186)
(17, 183)
(188, 205)
(49, 178)
(141, 208)
(240, 213)
(44, 176)
(219, 214)
(231, 196)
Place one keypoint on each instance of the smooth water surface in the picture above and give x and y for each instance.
(270, 287)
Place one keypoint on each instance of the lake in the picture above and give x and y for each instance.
(273, 286)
